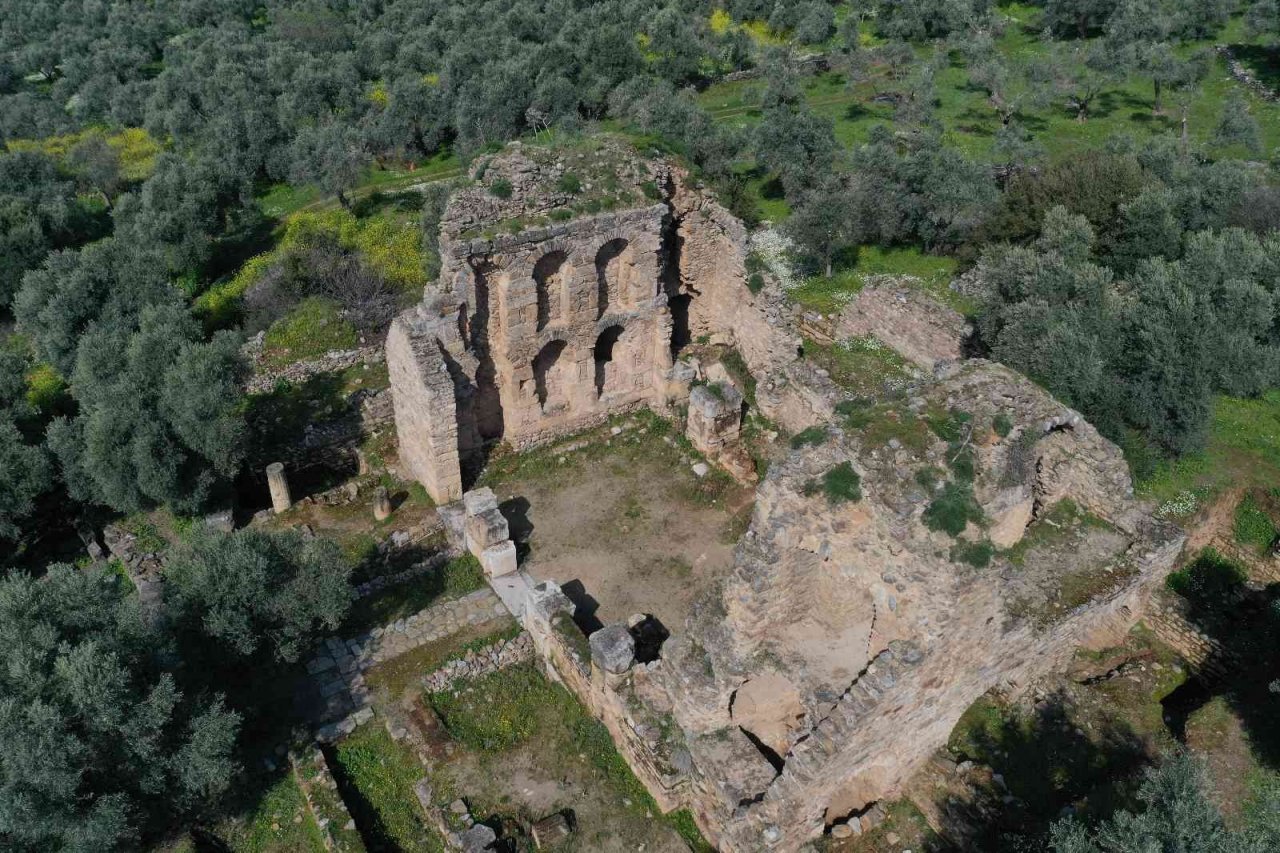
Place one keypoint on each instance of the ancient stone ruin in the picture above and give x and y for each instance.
(860, 618)
(550, 329)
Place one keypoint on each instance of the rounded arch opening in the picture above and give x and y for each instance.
(603, 354)
(548, 279)
(546, 379)
(610, 278)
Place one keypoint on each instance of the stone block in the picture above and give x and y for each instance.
(478, 501)
(613, 649)
(499, 559)
(486, 529)
(547, 600)
(453, 517)
(551, 830)
(478, 839)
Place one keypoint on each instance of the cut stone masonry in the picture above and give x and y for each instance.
(826, 668)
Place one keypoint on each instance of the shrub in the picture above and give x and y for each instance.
(976, 554)
(651, 191)
(569, 183)
(951, 427)
(954, 508)
(842, 484)
(810, 436)
(1002, 424)
(501, 188)
(755, 283)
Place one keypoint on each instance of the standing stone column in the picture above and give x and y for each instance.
(279, 485)
(382, 504)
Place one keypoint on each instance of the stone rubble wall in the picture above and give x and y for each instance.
(338, 668)
(604, 695)
(312, 771)
(264, 377)
(1206, 655)
(476, 663)
(1244, 76)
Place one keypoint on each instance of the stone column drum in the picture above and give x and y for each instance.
(278, 483)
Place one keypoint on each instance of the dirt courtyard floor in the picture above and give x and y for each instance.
(623, 523)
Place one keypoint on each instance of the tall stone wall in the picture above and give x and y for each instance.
(541, 325)
(426, 410)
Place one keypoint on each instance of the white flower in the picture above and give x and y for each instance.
(774, 248)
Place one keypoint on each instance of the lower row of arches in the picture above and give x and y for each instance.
(550, 367)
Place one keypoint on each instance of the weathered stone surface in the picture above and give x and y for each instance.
(478, 839)
(613, 649)
(851, 640)
(911, 321)
(500, 559)
(528, 335)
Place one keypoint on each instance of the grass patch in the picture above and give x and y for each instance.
(377, 776)
(976, 554)
(1253, 527)
(1243, 449)
(1052, 528)
(453, 580)
(314, 327)
(863, 366)
(148, 538)
(1208, 580)
(282, 823)
(498, 713)
(933, 273)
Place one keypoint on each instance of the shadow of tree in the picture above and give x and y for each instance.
(1043, 765)
(1245, 620)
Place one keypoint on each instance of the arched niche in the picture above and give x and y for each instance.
(613, 263)
(548, 279)
(547, 381)
(603, 356)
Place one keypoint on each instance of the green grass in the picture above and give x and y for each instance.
(314, 327)
(148, 535)
(279, 201)
(377, 776)
(1243, 449)
(1053, 528)
(863, 366)
(828, 294)
(809, 436)
(497, 713)
(953, 509)
(841, 484)
(282, 823)
(1253, 526)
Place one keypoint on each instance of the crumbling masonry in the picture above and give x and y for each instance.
(826, 668)
(534, 334)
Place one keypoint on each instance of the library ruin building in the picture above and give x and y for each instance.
(953, 534)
